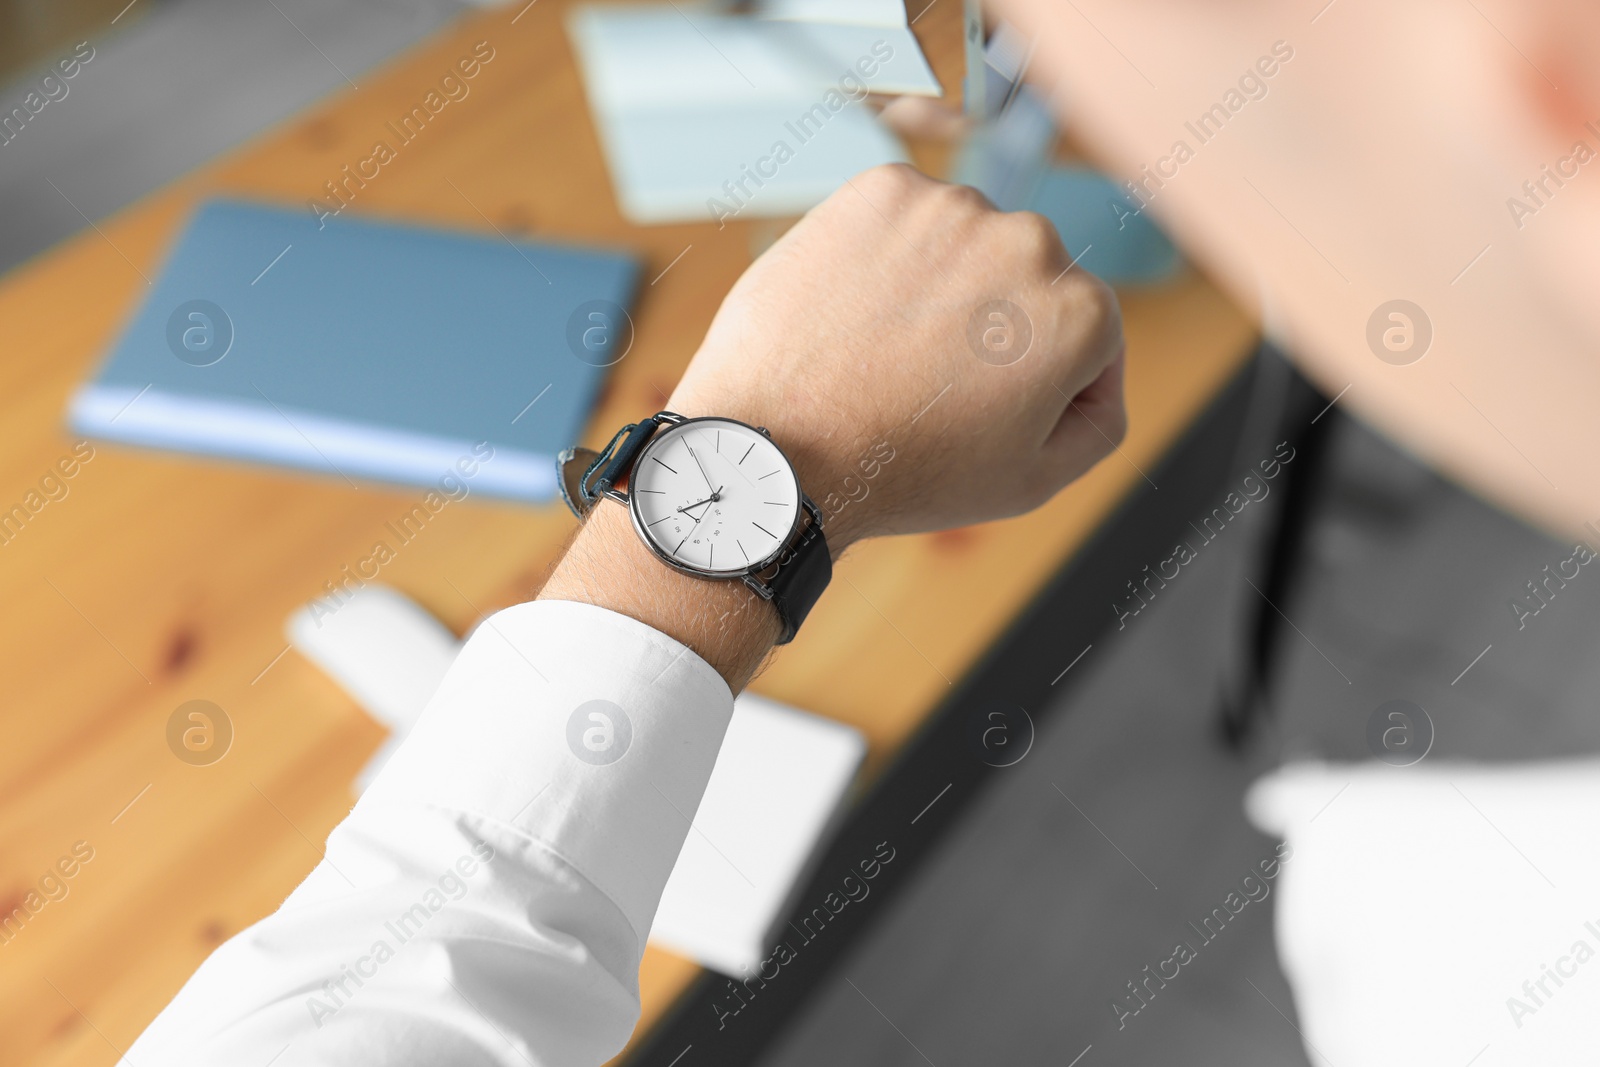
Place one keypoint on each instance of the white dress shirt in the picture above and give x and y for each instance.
(487, 900)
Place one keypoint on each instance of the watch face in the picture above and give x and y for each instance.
(714, 496)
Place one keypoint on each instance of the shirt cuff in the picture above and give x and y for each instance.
(584, 729)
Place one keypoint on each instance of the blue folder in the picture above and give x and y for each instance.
(366, 349)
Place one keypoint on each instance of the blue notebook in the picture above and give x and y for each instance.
(366, 349)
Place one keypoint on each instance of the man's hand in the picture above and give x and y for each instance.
(882, 319)
(924, 360)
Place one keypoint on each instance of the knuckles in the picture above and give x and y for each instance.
(1035, 237)
(890, 182)
(1089, 309)
(901, 184)
(964, 199)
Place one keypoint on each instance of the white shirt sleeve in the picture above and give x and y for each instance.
(487, 900)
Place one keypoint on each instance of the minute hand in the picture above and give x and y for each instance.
(715, 495)
(702, 466)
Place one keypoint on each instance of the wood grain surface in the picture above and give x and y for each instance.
(159, 579)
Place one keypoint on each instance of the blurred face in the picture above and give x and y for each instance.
(1565, 47)
(1433, 152)
(1416, 98)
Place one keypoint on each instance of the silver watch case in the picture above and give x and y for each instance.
(749, 574)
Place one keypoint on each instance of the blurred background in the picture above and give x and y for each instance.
(1055, 723)
(185, 82)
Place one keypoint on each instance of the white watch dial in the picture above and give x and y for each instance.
(715, 496)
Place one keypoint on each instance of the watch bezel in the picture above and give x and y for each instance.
(751, 569)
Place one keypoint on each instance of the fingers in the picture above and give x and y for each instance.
(1093, 424)
(1100, 402)
(1088, 324)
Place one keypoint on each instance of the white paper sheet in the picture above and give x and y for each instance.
(776, 789)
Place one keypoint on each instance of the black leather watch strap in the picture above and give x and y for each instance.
(628, 452)
(802, 574)
(584, 475)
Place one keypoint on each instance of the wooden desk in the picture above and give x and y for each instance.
(160, 579)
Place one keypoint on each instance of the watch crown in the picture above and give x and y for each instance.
(764, 432)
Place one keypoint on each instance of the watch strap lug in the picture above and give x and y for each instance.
(572, 466)
(584, 475)
(758, 587)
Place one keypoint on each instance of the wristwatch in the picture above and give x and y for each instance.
(714, 498)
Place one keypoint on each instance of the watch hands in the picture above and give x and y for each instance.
(716, 494)
(702, 467)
